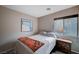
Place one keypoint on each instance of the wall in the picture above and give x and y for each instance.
(10, 26)
(0, 25)
(47, 23)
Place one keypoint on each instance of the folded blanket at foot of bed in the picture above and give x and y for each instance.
(31, 43)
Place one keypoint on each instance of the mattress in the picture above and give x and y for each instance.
(49, 44)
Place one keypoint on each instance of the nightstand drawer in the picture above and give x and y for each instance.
(63, 46)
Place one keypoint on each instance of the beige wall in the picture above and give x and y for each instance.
(10, 25)
(46, 22)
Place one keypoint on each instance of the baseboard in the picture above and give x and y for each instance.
(74, 52)
(4, 52)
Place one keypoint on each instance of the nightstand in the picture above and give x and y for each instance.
(63, 45)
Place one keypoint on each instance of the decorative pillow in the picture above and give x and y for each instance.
(43, 32)
(51, 34)
(31, 43)
(55, 34)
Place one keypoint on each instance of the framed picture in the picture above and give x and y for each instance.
(26, 25)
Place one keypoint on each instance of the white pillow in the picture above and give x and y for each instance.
(43, 32)
(52, 34)
(57, 35)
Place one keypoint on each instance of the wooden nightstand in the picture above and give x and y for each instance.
(63, 45)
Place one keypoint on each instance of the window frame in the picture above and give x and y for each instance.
(26, 20)
(65, 17)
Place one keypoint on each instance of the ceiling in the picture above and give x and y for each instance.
(38, 10)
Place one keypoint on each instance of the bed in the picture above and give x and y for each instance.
(49, 44)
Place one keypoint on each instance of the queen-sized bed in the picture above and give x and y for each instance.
(49, 44)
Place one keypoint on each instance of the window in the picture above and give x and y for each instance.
(58, 25)
(70, 27)
(26, 25)
(66, 25)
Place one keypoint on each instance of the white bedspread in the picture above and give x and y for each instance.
(49, 43)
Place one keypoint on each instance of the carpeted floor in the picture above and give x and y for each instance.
(9, 52)
(57, 52)
(14, 52)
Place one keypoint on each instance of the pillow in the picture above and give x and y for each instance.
(51, 34)
(55, 34)
(43, 32)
